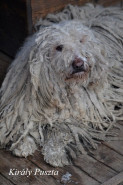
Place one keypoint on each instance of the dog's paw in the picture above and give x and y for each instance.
(25, 148)
(56, 156)
(56, 145)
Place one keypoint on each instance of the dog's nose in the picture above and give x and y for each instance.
(78, 64)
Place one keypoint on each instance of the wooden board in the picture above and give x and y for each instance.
(115, 180)
(4, 181)
(108, 2)
(114, 160)
(117, 145)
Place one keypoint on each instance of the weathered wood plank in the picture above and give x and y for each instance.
(7, 162)
(109, 2)
(94, 168)
(4, 181)
(109, 157)
(117, 144)
(77, 175)
(116, 180)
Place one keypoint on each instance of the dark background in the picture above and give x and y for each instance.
(15, 24)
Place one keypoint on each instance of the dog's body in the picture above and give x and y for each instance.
(62, 90)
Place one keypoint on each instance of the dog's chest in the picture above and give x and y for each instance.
(73, 108)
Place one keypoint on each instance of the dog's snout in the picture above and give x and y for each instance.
(78, 64)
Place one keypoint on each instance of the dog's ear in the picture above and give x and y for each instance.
(12, 90)
(17, 73)
(28, 67)
(26, 88)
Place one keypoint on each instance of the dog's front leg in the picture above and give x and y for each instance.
(55, 145)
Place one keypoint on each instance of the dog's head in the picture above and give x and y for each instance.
(73, 52)
(63, 54)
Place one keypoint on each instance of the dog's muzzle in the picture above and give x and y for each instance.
(79, 65)
(80, 69)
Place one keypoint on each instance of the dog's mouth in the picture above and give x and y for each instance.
(79, 74)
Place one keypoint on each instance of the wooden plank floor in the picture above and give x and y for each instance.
(103, 166)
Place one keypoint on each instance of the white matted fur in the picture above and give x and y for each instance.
(64, 90)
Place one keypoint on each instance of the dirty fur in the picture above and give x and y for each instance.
(44, 102)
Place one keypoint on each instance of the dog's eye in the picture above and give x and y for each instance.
(59, 48)
(84, 39)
